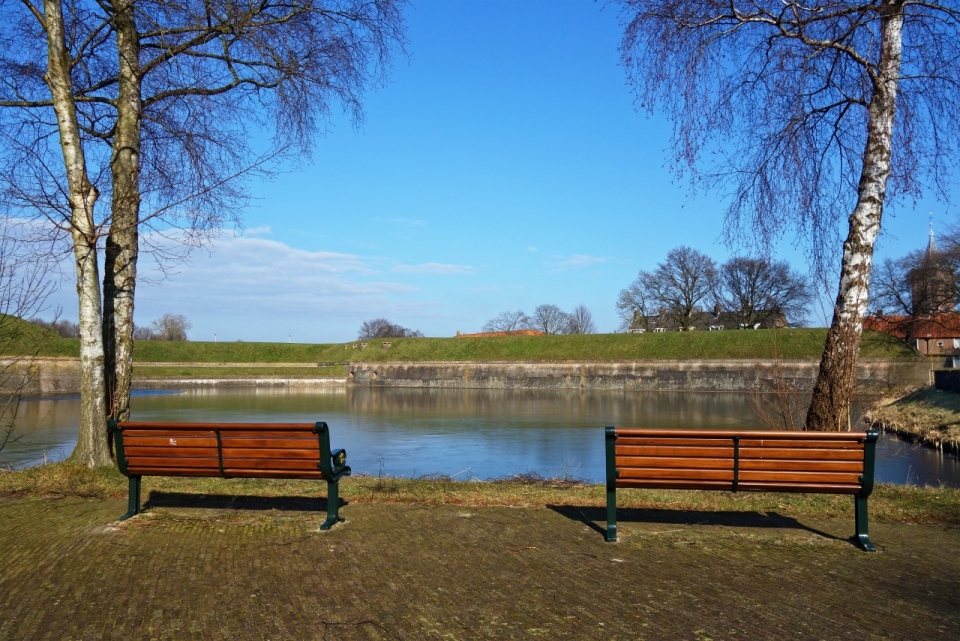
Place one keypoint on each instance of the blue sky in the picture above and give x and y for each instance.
(504, 166)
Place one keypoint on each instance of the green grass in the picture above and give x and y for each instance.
(784, 343)
(889, 503)
(20, 338)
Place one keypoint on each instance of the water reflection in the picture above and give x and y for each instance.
(467, 433)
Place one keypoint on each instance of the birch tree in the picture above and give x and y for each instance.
(169, 93)
(79, 199)
(808, 114)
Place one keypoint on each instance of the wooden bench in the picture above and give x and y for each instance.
(229, 450)
(739, 461)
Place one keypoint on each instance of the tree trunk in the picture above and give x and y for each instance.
(120, 263)
(836, 381)
(92, 446)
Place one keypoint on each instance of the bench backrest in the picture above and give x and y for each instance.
(747, 460)
(248, 450)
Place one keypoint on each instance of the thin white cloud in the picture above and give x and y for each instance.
(575, 261)
(531, 248)
(257, 277)
(257, 231)
(433, 268)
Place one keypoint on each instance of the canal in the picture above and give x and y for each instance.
(465, 434)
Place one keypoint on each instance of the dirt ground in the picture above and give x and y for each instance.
(253, 568)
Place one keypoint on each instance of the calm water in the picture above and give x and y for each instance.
(462, 433)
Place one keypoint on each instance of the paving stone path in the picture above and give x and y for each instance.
(396, 571)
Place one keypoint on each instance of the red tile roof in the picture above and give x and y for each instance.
(905, 327)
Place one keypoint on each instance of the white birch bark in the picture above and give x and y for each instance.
(836, 382)
(92, 445)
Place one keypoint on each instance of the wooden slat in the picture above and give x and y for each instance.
(788, 453)
(781, 442)
(812, 488)
(269, 464)
(174, 462)
(664, 450)
(674, 484)
(177, 451)
(676, 442)
(669, 473)
(167, 434)
(230, 440)
(258, 427)
(273, 474)
(624, 462)
(204, 472)
(265, 453)
(191, 441)
(798, 477)
(811, 466)
(759, 434)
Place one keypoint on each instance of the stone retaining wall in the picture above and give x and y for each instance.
(62, 375)
(712, 375)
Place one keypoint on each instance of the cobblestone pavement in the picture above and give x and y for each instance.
(396, 571)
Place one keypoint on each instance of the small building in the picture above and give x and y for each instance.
(934, 326)
(930, 335)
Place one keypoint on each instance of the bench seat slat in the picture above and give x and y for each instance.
(676, 442)
(813, 488)
(134, 453)
(625, 462)
(135, 426)
(666, 450)
(799, 477)
(801, 465)
(187, 452)
(284, 443)
(174, 471)
(674, 484)
(743, 434)
(175, 461)
(207, 440)
(790, 442)
(674, 473)
(789, 453)
(264, 453)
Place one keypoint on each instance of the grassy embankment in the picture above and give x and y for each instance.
(208, 360)
(761, 344)
(927, 415)
(889, 503)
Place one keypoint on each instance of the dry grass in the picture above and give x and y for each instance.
(889, 503)
(927, 415)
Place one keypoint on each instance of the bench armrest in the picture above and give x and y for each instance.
(332, 464)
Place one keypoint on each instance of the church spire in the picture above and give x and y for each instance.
(931, 246)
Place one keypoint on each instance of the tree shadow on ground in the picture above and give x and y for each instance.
(591, 516)
(238, 502)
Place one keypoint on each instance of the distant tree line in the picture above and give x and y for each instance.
(751, 290)
(383, 328)
(169, 327)
(547, 318)
(63, 328)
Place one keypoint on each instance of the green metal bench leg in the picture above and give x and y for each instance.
(610, 442)
(863, 538)
(611, 515)
(333, 505)
(133, 502)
